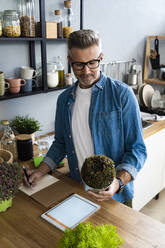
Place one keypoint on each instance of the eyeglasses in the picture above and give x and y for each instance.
(92, 64)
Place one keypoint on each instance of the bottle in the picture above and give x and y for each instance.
(68, 79)
(58, 20)
(8, 141)
(27, 18)
(68, 18)
(11, 24)
(60, 69)
(52, 75)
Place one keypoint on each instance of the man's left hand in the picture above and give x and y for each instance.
(105, 195)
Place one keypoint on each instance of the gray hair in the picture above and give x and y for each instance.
(84, 38)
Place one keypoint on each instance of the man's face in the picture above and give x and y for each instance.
(86, 76)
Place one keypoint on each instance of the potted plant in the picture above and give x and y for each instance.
(10, 179)
(86, 235)
(98, 172)
(25, 125)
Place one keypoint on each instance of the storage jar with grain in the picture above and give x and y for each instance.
(11, 24)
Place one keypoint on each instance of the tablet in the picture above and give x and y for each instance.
(70, 212)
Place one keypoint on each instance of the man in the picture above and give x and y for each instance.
(97, 115)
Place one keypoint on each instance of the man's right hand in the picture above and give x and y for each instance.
(36, 174)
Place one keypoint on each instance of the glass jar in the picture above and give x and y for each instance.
(24, 147)
(1, 20)
(27, 18)
(8, 141)
(11, 24)
(68, 19)
(58, 20)
(52, 75)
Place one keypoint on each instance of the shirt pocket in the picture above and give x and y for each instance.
(109, 124)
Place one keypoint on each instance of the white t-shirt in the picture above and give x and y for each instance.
(80, 125)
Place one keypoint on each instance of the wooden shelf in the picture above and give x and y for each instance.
(154, 81)
(21, 38)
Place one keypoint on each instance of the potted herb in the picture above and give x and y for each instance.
(10, 179)
(98, 172)
(26, 125)
(86, 235)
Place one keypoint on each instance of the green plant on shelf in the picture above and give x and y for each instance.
(86, 235)
(25, 124)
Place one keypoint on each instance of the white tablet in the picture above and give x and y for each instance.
(70, 212)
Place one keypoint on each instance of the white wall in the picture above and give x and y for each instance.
(123, 25)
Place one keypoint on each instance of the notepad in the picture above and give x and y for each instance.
(44, 182)
(70, 212)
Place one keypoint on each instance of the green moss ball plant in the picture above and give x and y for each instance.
(98, 172)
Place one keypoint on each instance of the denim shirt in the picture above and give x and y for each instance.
(116, 129)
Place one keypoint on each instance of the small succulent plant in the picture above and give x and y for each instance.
(98, 171)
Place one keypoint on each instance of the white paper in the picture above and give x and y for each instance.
(44, 182)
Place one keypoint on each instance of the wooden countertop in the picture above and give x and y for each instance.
(156, 127)
(22, 226)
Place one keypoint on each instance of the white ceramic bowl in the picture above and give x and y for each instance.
(87, 187)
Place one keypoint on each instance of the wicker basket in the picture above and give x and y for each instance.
(6, 156)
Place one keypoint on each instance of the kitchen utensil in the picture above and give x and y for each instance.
(30, 83)
(3, 85)
(155, 99)
(140, 95)
(27, 72)
(15, 84)
(162, 73)
(147, 93)
(156, 44)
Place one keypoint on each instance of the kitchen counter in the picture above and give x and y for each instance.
(22, 226)
(156, 127)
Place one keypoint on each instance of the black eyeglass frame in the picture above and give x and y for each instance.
(87, 63)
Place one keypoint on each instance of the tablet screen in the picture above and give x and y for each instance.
(70, 212)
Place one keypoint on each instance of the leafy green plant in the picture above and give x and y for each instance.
(10, 179)
(86, 235)
(25, 125)
(98, 171)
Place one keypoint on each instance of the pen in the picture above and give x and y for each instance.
(26, 175)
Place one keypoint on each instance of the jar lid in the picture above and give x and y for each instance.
(57, 12)
(5, 122)
(10, 12)
(68, 4)
(23, 137)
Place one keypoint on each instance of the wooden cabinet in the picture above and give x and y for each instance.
(147, 62)
(31, 43)
(151, 179)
